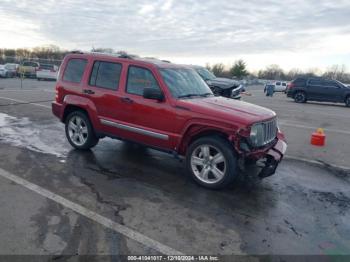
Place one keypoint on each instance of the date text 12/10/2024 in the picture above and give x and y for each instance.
(173, 258)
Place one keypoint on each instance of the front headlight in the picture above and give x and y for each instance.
(256, 132)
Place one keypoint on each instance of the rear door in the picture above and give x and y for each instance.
(103, 88)
(314, 89)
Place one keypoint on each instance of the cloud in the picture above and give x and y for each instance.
(214, 29)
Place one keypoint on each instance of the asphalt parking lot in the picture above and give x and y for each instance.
(120, 198)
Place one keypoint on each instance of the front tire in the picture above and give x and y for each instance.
(212, 162)
(79, 131)
(347, 101)
(300, 97)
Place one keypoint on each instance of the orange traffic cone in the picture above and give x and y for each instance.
(318, 138)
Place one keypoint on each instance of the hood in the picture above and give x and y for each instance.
(234, 111)
(222, 82)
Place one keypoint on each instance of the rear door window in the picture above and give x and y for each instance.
(105, 75)
(74, 70)
(138, 79)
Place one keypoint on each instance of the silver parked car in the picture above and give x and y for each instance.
(8, 70)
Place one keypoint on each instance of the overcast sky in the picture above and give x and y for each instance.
(301, 33)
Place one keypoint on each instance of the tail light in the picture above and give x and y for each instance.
(290, 85)
(58, 94)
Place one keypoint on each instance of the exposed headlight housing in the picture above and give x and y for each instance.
(256, 135)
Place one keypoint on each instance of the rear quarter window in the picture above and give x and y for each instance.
(74, 70)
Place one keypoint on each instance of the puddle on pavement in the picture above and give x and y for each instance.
(44, 138)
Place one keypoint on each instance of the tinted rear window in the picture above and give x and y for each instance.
(106, 75)
(74, 70)
(299, 81)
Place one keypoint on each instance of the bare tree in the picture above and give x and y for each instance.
(337, 72)
(218, 69)
(272, 72)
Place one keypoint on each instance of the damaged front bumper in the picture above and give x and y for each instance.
(266, 158)
(273, 158)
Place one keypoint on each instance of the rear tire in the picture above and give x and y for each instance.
(79, 131)
(300, 97)
(211, 162)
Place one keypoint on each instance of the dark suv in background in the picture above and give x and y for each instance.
(318, 89)
(219, 85)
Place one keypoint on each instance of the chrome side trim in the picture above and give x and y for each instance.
(134, 129)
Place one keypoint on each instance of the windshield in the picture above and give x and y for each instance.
(340, 83)
(184, 83)
(205, 74)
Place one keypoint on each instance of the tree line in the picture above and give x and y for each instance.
(50, 52)
(237, 70)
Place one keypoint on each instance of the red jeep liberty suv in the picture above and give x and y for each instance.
(167, 107)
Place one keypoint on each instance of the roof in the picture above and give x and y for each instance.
(127, 57)
(195, 66)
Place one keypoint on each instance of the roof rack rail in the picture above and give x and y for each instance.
(119, 55)
(76, 52)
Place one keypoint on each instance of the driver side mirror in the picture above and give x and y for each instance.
(153, 93)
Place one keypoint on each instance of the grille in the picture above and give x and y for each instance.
(269, 131)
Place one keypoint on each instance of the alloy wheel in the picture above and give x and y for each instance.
(208, 164)
(77, 130)
(300, 97)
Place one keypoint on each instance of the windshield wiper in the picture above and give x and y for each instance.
(188, 95)
(192, 95)
(206, 94)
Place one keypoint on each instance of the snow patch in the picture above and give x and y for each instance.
(45, 138)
